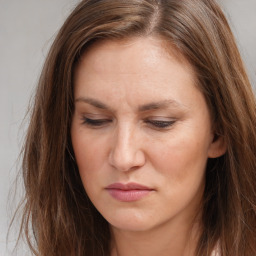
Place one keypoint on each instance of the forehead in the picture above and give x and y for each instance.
(150, 48)
(137, 69)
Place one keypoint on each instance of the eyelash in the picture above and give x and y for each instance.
(160, 124)
(97, 123)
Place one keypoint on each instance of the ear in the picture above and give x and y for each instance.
(218, 147)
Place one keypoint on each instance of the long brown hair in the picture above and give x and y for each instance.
(57, 210)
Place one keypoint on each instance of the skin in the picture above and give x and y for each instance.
(152, 127)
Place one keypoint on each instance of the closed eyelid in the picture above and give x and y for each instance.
(164, 118)
(95, 122)
(160, 123)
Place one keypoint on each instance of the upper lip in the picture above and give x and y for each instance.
(128, 186)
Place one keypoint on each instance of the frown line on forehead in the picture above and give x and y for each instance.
(162, 104)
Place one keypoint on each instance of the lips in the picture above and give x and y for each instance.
(128, 192)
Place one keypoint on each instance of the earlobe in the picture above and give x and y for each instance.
(218, 147)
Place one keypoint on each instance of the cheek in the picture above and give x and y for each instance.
(182, 158)
(90, 154)
(181, 165)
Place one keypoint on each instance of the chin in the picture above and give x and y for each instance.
(131, 226)
(131, 222)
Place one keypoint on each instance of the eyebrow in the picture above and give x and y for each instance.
(92, 102)
(159, 105)
(146, 107)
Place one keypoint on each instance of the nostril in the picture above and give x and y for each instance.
(126, 160)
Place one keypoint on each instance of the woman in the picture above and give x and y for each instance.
(142, 135)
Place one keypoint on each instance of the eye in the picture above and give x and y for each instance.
(95, 122)
(160, 124)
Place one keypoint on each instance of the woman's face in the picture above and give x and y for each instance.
(141, 133)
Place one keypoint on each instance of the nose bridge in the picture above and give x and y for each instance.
(126, 152)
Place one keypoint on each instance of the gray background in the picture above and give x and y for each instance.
(27, 28)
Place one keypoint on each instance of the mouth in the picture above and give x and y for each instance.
(128, 192)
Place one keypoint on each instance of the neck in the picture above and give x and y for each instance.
(167, 240)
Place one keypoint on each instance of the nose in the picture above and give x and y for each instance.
(126, 150)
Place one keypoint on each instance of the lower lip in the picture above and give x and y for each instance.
(128, 195)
